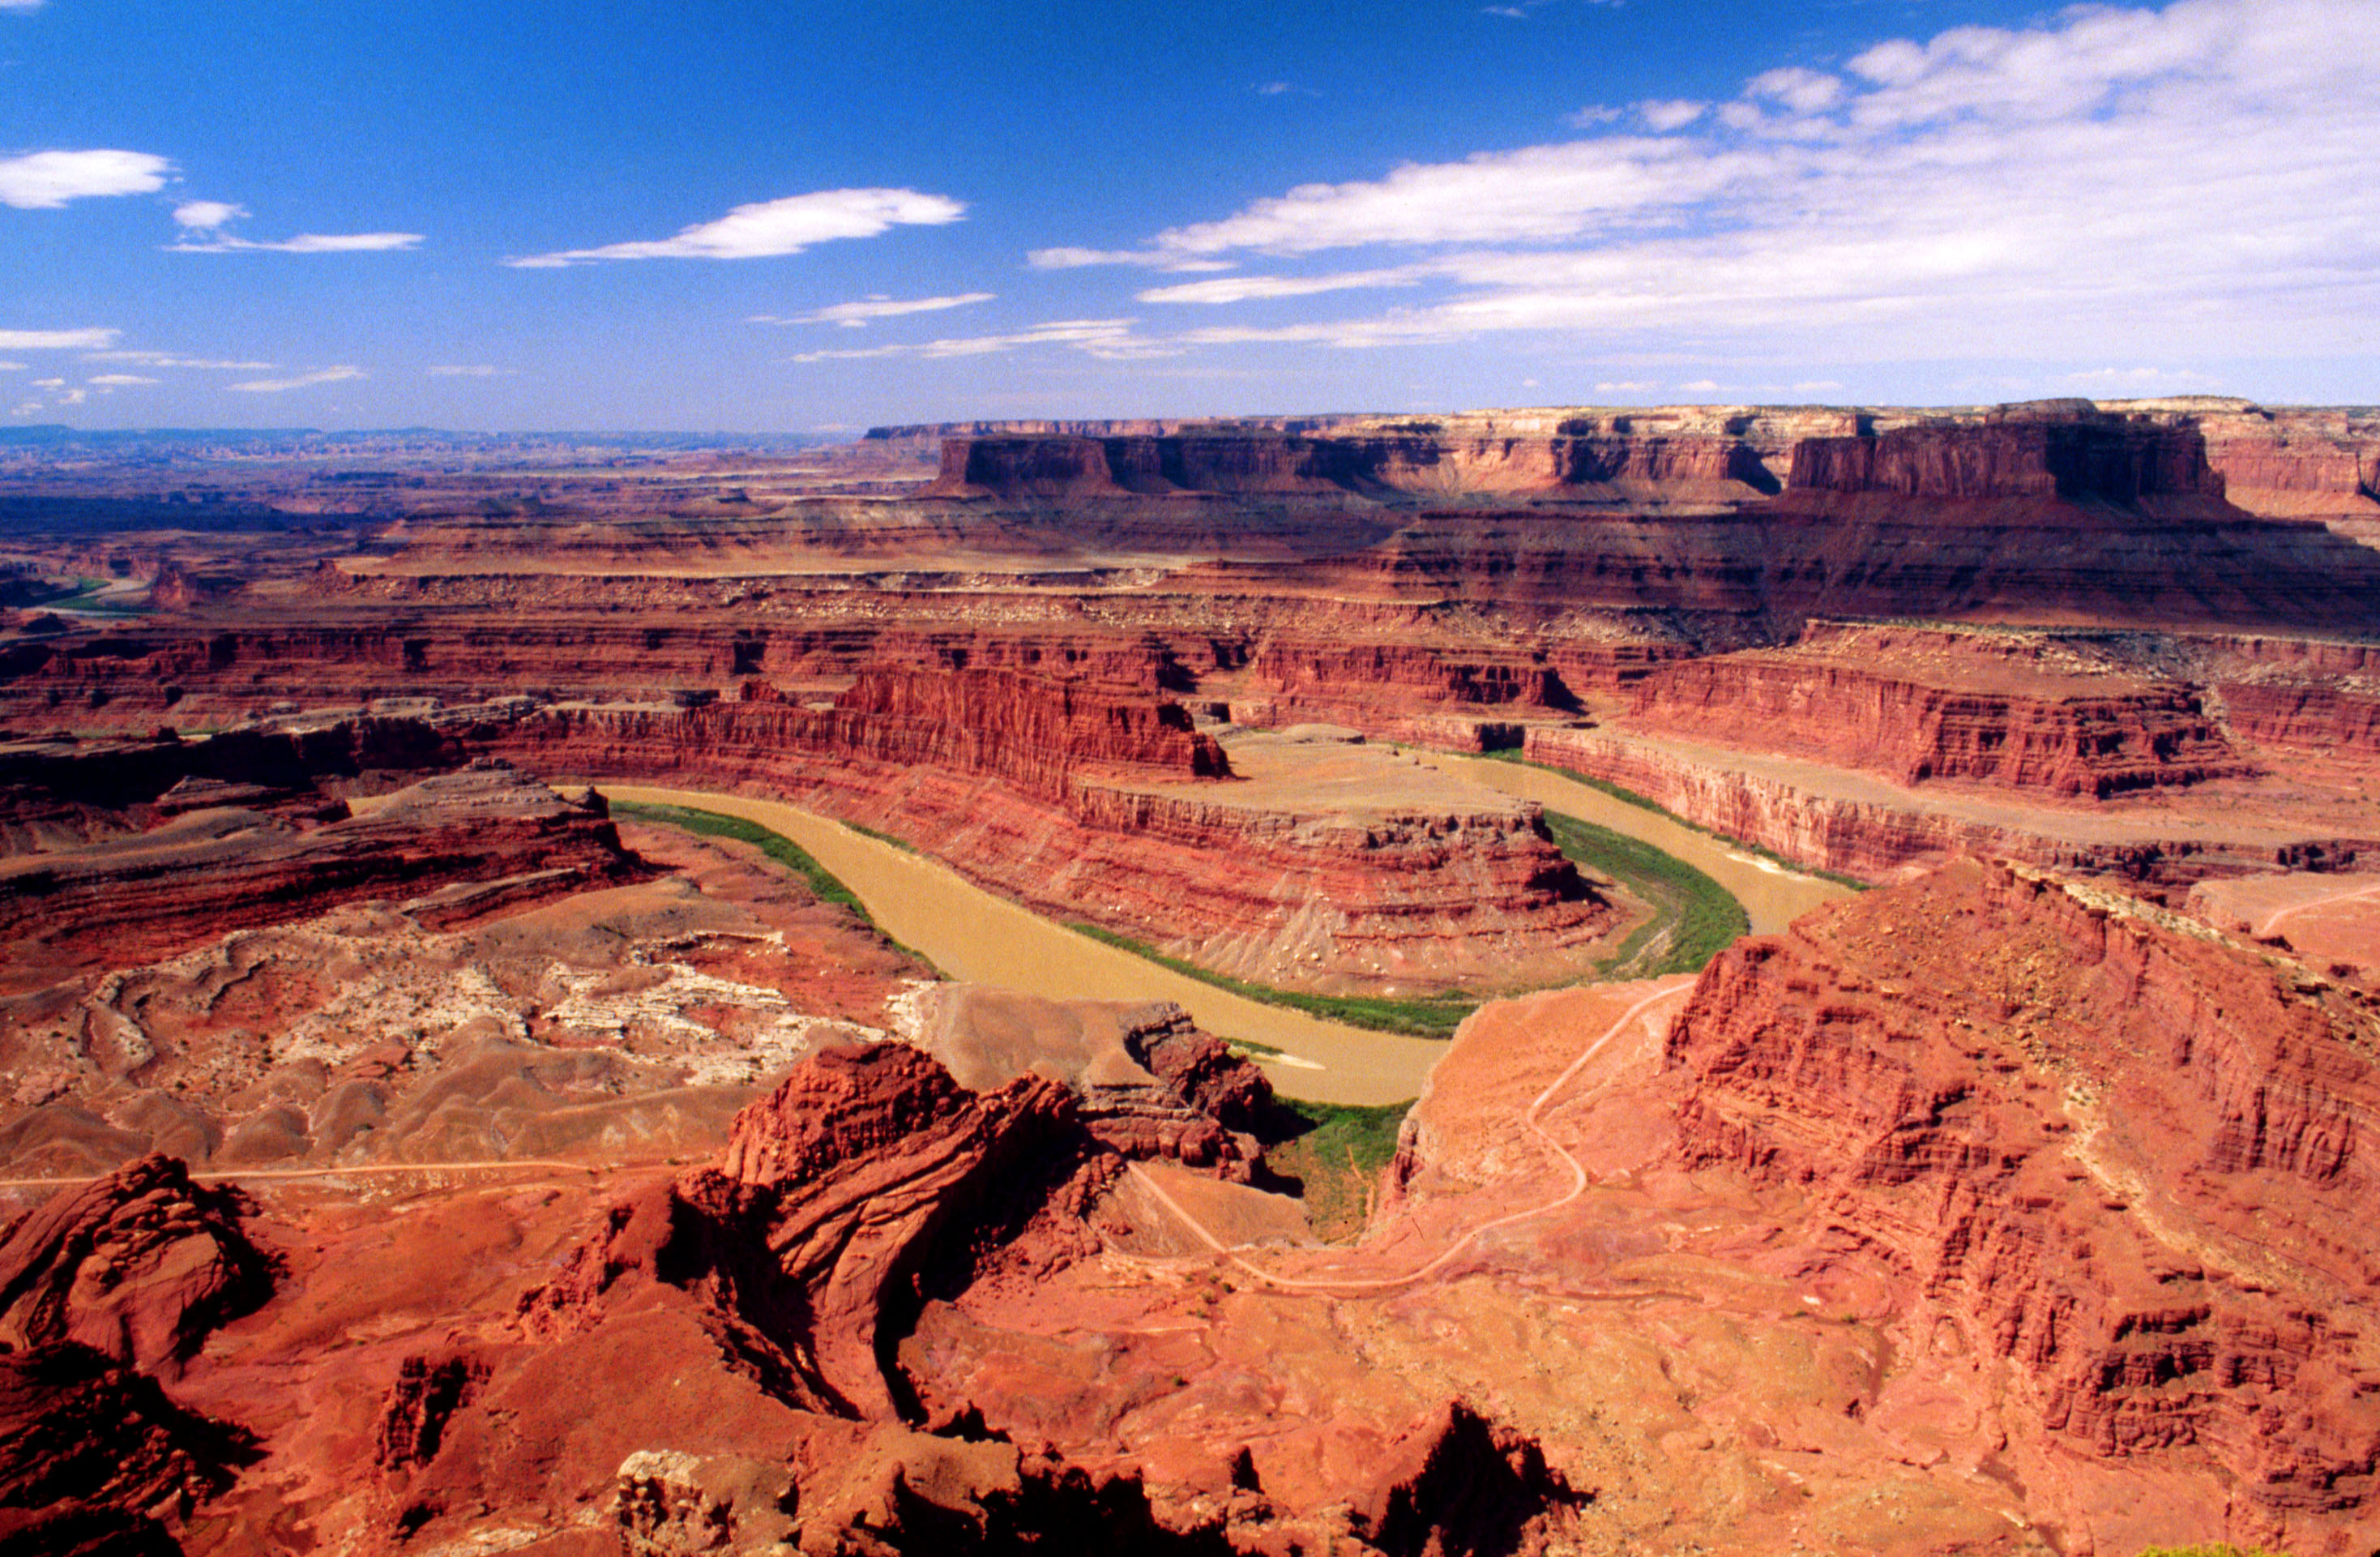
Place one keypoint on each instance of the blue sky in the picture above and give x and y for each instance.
(776, 216)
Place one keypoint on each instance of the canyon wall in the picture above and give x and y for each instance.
(2127, 1164)
(2118, 460)
(1091, 805)
(1915, 706)
(1881, 837)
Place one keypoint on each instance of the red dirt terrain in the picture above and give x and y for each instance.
(1953, 1219)
(401, 1155)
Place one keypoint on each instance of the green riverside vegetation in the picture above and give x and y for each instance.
(1336, 1152)
(825, 885)
(1694, 917)
(1418, 1018)
(1646, 803)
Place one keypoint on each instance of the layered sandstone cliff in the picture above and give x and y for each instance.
(1862, 826)
(1088, 805)
(2122, 1160)
(1914, 706)
(214, 868)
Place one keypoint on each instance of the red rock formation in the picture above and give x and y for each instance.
(96, 1461)
(860, 1179)
(2112, 460)
(1881, 834)
(133, 898)
(139, 1266)
(2126, 1160)
(1459, 1483)
(103, 1289)
(1386, 895)
(1915, 706)
(1148, 1083)
(2327, 717)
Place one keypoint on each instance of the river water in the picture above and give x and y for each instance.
(973, 934)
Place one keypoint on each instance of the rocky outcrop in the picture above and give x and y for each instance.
(863, 1178)
(105, 1290)
(1917, 706)
(1279, 892)
(2124, 1160)
(95, 1458)
(1579, 457)
(2079, 456)
(486, 837)
(1878, 833)
(1149, 1084)
(2330, 717)
(1458, 1483)
(139, 1266)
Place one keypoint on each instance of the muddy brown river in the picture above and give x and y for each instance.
(973, 934)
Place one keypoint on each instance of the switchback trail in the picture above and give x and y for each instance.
(1529, 1118)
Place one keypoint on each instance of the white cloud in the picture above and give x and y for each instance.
(57, 340)
(1804, 91)
(121, 380)
(1627, 387)
(1108, 339)
(1665, 114)
(853, 316)
(49, 383)
(470, 371)
(1241, 288)
(45, 180)
(12, 367)
(20, 5)
(203, 221)
(1075, 259)
(207, 215)
(775, 227)
(301, 381)
(2106, 181)
(167, 359)
(304, 243)
(1538, 192)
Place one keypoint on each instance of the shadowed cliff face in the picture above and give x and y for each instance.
(2112, 460)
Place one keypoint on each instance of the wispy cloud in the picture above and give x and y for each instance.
(168, 360)
(1109, 339)
(774, 227)
(304, 243)
(122, 380)
(45, 181)
(1243, 288)
(20, 5)
(300, 380)
(2094, 183)
(1671, 113)
(57, 340)
(853, 316)
(1155, 258)
(203, 221)
(207, 215)
(469, 370)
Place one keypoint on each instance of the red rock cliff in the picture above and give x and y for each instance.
(2130, 1163)
(1916, 706)
(2111, 458)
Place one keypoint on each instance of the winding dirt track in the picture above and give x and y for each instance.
(1376, 1284)
(218, 1175)
(2273, 919)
